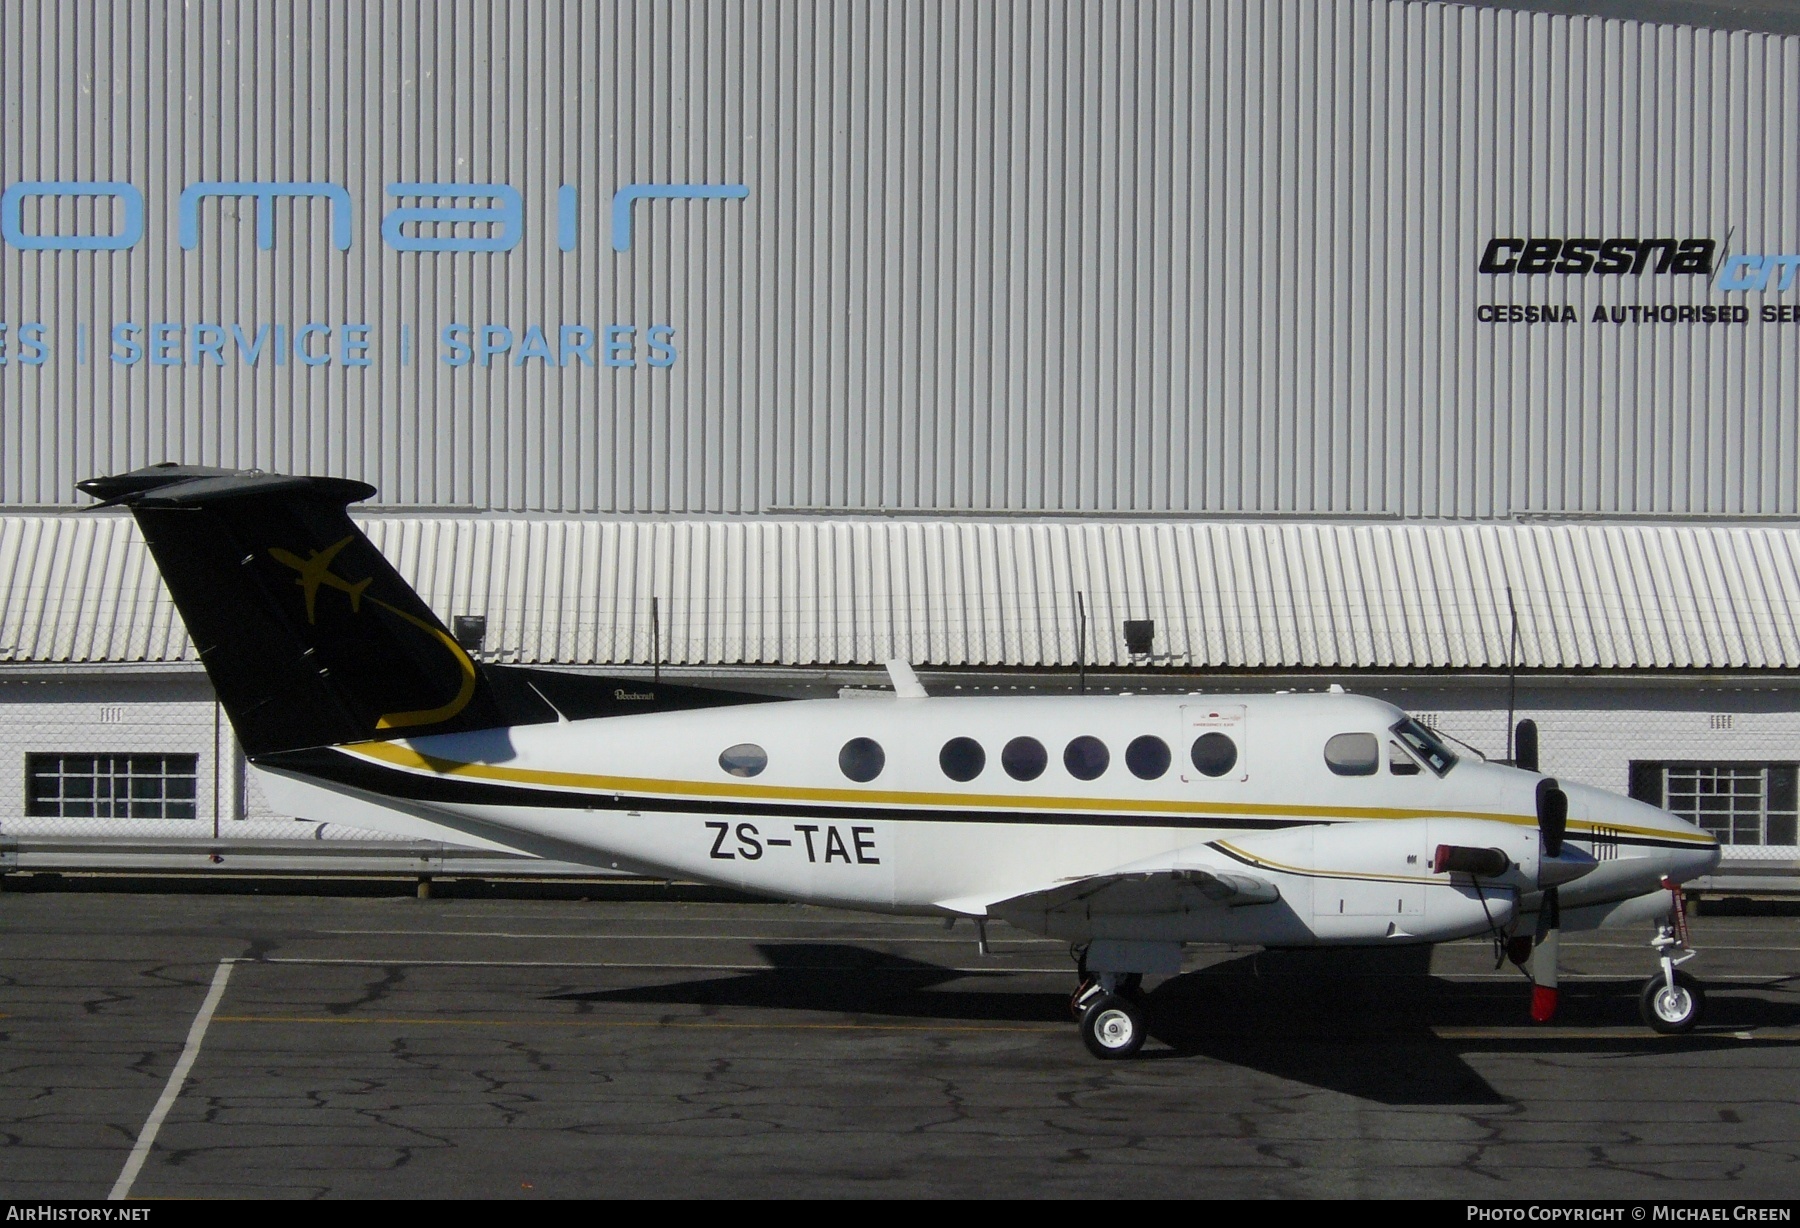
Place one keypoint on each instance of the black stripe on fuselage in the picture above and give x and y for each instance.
(329, 764)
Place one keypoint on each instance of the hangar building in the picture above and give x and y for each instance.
(1449, 352)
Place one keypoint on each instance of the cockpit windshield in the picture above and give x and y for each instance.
(1425, 744)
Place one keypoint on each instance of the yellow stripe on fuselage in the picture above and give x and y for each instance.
(1258, 860)
(399, 755)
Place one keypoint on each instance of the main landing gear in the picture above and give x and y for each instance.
(1111, 1009)
(1672, 1001)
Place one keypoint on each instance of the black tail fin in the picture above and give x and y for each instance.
(309, 635)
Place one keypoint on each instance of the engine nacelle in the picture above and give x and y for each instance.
(1375, 881)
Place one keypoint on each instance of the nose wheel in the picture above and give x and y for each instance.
(1672, 1001)
(1671, 1005)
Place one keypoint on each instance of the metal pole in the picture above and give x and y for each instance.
(217, 765)
(1081, 641)
(1512, 677)
(655, 641)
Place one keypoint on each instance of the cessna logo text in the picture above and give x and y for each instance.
(1599, 257)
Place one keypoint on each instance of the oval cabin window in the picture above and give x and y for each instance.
(744, 759)
(1353, 754)
(1024, 758)
(962, 758)
(862, 759)
(1214, 754)
(1147, 757)
(1086, 757)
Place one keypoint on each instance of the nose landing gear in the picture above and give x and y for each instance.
(1672, 1001)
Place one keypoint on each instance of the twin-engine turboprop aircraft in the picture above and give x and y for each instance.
(1127, 825)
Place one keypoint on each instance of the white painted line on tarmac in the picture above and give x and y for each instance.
(1539, 1032)
(946, 939)
(177, 1078)
(660, 966)
(988, 969)
(966, 939)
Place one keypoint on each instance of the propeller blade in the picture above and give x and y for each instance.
(1553, 816)
(1544, 958)
(1525, 745)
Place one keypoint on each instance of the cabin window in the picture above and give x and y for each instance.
(962, 758)
(862, 759)
(1399, 762)
(1353, 754)
(1147, 757)
(744, 759)
(1214, 754)
(1024, 758)
(1086, 757)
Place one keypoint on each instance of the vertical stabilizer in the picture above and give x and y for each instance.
(309, 635)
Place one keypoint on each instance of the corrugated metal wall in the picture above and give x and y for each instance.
(816, 591)
(1036, 256)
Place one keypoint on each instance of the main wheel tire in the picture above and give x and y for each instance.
(1113, 1027)
(1671, 1011)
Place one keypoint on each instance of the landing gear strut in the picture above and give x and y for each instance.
(1113, 1022)
(1672, 1001)
(1111, 1009)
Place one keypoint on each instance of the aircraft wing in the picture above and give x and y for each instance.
(1139, 890)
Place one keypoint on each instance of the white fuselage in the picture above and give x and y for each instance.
(650, 793)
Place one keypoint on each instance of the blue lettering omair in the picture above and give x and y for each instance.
(12, 209)
(506, 213)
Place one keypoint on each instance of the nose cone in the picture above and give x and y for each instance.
(1673, 846)
(1695, 862)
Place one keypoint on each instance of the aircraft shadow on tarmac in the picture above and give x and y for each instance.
(1358, 1022)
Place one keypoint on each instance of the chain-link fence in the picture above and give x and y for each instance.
(1748, 760)
(106, 760)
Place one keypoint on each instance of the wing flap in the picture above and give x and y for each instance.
(1139, 891)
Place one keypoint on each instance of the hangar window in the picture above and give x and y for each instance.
(1086, 757)
(1024, 758)
(862, 759)
(744, 759)
(1147, 757)
(1214, 754)
(1353, 754)
(111, 786)
(962, 758)
(1740, 803)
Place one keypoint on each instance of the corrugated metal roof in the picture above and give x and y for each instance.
(82, 588)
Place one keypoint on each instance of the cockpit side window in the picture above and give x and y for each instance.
(1426, 745)
(1399, 762)
(1353, 754)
